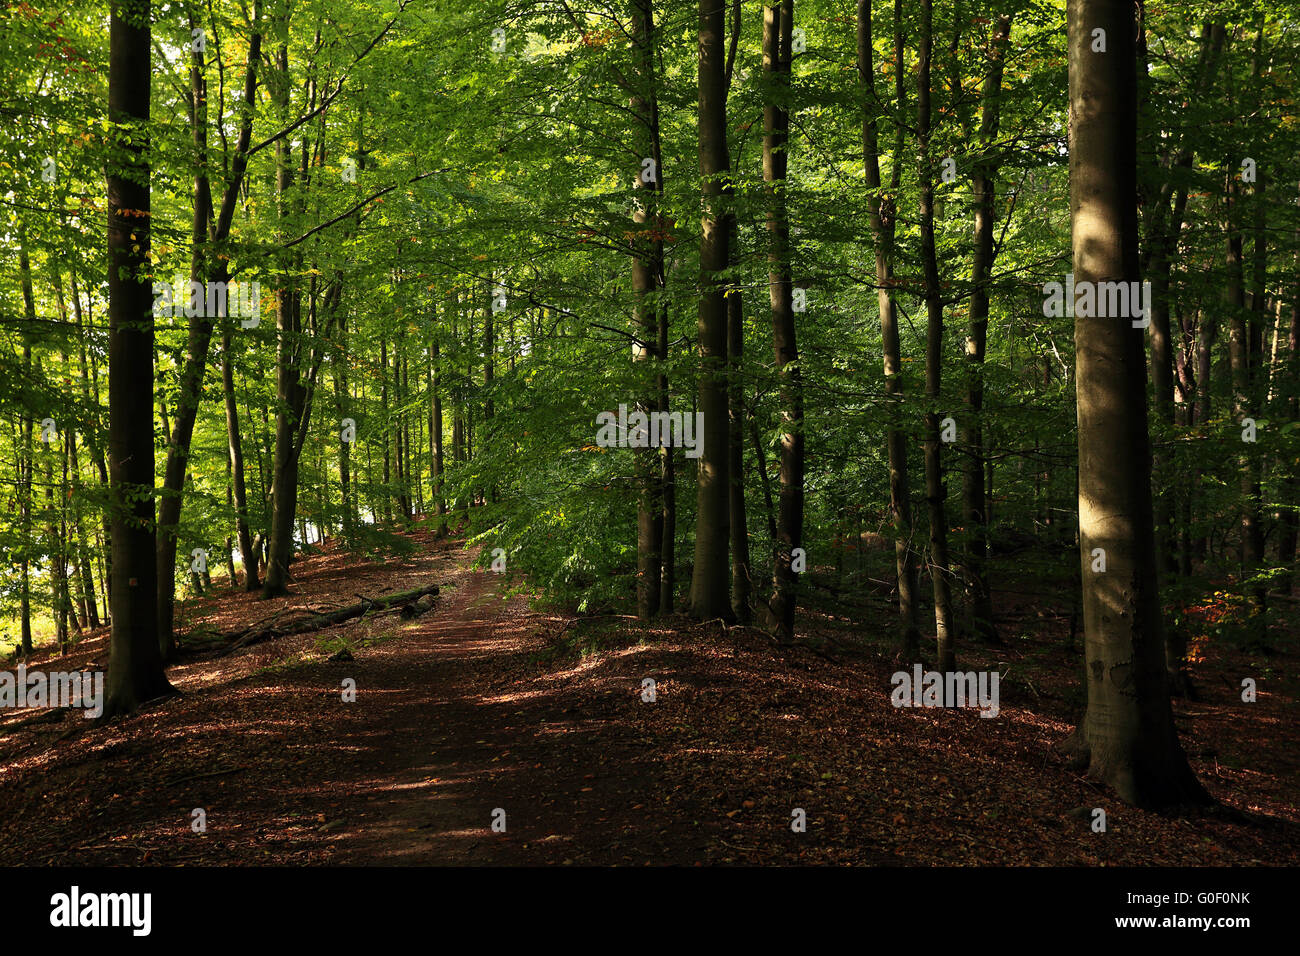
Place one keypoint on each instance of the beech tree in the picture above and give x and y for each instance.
(1126, 738)
(710, 595)
(135, 672)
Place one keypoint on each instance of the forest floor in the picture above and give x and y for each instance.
(487, 703)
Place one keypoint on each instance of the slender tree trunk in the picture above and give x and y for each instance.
(25, 456)
(1127, 737)
(1257, 379)
(1290, 519)
(343, 409)
(94, 434)
(1162, 244)
(489, 377)
(74, 540)
(202, 325)
(741, 569)
(883, 213)
(235, 447)
(435, 426)
(383, 405)
(667, 472)
(458, 407)
(58, 561)
(984, 186)
(647, 252)
(1239, 357)
(90, 608)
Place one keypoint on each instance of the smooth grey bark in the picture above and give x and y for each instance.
(935, 492)
(710, 594)
(1127, 738)
(777, 29)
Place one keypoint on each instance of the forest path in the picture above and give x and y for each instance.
(453, 719)
(451, 732)
(485, 704)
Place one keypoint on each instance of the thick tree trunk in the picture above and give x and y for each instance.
(1127, 737)
(777, 27)
(135, 672)
(289, 391)
(710, 594)
(935, 492)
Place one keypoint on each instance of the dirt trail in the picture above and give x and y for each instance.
(456, 737)
(469, 709)
(444, 731)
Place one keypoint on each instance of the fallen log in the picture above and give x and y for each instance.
(316, 621)
(415, 608)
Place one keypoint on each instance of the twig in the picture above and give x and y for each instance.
(200, 776)
(115, 846)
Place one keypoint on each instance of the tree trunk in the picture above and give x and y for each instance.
(201, 325)
(710, 594)
(777, 27)
(135, 672)
(647, 250)
(289, 391)
(984, 187)
(1239, 358)
(1127, 737)
(236, 450)
(91, 609)
(435, 428)
(1290, 519)
(25, 454)
(883, 213)
(57, 551)
(383, 406)
(489, 374)
(935, 492)
(94, 434)
(741, 569)
(667, 474)
(343, 407)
